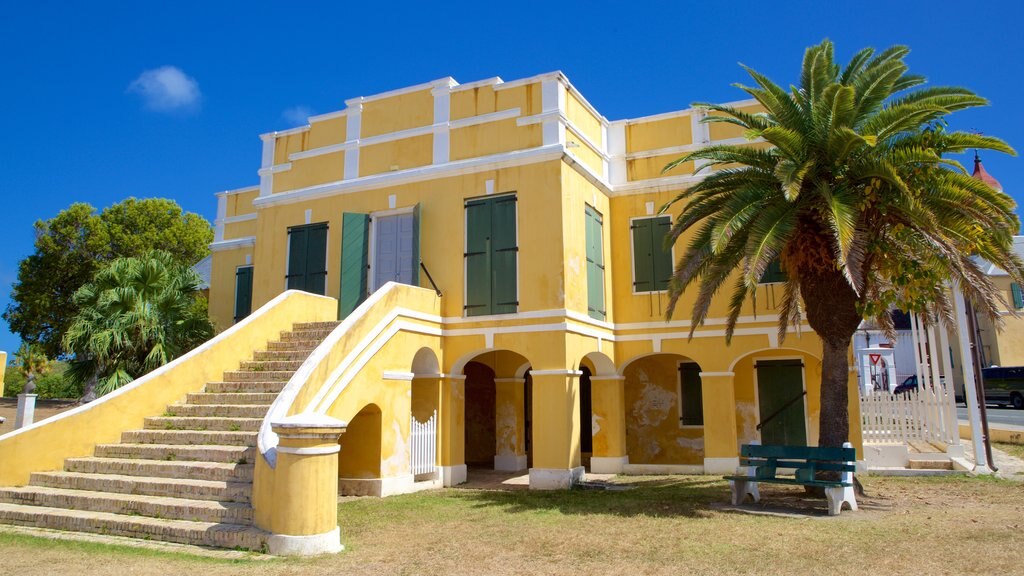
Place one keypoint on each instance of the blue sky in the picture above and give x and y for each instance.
(102, 101)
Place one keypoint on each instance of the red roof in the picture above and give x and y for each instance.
(981, 174)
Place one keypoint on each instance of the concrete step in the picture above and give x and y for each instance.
(223, 471)
(132, 504)
(304, 335)
(263, 387)
(271, 365)
(178, 452)
(181, 531)
(238, 398)
(929, 464)
(197, 423)
(194, 437)
(219, 490)
(303, 326)
(299, 355)
(306, 346)
(256, 376)
(217, 410)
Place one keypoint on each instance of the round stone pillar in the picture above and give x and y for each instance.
(305, 504)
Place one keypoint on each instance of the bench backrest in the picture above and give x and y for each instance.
(806, 461)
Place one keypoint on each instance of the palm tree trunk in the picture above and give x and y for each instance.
(89, 390)
(832, 313)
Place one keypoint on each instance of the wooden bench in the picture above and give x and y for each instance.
(801, 464)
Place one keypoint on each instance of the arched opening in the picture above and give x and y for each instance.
(586, 416)
(664, 410)
(496, 411)
(777, 396)
(360, 456)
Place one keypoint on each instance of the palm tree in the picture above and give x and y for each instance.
(137, 314)
(851, 193)
(31, 363)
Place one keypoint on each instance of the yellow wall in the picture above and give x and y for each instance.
(485, 100)
(222, 285)
(234, 230)
(652, 166)
(493, 138)
(289, 144)
(1003, 344)
(396, 113)
(442, 203)
(45, 445)
(327, 132)
(397, 155)
(583, 119)
(656, 134)
(724, 131)
(311, 171)
(239, 203)
(653, 432)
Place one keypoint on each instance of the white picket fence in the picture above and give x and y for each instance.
(424, 445)
(923, 415)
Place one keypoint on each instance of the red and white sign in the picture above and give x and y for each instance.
(875, 358)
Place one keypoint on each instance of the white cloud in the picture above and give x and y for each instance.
(297, 114)
(167, 89)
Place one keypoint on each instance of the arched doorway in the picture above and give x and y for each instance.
(360, 456)
(664, 410)
(496, 411)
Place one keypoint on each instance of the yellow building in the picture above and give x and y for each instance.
(444, 276)
(538, 221)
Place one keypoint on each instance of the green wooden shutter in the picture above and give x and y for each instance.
(504, 250)
(297, 241)
(643, 261)
(773, 273)
(355, 230)
(692, 395)
(662, 255)
(316, 259)
(416, 245)
(243, 292)
(1018, 296)
(595, 264)
(478, 258)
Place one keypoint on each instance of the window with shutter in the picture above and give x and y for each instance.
(691, 395)
(773, 273)
(243, 292)
(652, 263)
(1018, 296)
(595, 264)
(491, 256)
(307, 258)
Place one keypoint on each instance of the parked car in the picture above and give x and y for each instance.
(1004, 385)
(906, 386)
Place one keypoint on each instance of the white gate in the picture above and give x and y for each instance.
(424, 445)
(924, 415)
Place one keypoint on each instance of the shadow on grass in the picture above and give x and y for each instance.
(676, 496)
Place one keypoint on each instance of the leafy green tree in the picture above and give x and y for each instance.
(136, 315)
(31, 363)
(73, 245)
(854, 197)
(53, 383)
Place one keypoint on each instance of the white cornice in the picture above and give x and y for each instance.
(238, 191)
(457, 168)
(233, 244)
(239, 218)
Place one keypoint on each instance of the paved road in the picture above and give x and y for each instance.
(996, 415)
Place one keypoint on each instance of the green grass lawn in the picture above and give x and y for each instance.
(665, 525)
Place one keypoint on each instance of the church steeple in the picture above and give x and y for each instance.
(981, 174)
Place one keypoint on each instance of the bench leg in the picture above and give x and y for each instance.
(837, 495)
(740, 489)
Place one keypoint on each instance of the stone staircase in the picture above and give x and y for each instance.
(187, 476)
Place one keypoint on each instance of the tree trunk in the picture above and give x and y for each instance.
(89, 390)
(832, 313)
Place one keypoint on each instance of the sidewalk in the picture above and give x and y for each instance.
(1010, 467)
